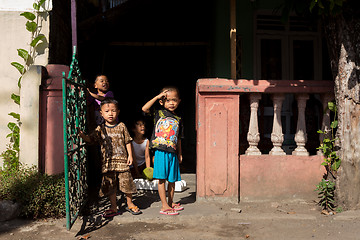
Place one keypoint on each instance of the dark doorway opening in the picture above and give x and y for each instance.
(143, 46)
(137, 74)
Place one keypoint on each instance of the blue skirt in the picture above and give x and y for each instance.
(166, 166)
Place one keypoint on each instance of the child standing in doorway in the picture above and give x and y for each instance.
(116, 154)
(141, 157)
(102, 86)
(166, 142)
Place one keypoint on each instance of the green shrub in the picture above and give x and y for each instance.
(40, 195)
(326, 189)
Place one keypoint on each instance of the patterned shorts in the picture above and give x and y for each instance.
(113, 181)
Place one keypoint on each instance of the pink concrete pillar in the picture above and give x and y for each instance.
(218, 146)
(51, 124)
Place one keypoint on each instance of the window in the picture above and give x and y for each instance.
(290, 51)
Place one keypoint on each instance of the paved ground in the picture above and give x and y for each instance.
(296, 219)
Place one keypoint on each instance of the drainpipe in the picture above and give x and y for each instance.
(73, 23)
(233, 38)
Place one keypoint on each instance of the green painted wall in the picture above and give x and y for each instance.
(245, 10)
(244, 29)
(220, 64)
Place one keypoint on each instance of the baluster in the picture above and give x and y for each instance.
(277, 137)
(253, 135)
(325, 126)
(301, 136)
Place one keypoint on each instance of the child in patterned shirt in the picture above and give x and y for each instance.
(116, 154)
(166, 143)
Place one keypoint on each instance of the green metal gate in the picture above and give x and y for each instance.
(74, 118)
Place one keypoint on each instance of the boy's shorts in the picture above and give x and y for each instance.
(166, 166)
(113, 181)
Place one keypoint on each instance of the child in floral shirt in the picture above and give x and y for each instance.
(116, 154)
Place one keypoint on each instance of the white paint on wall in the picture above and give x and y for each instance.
(21, 5)
(30, 116)
(14, 36)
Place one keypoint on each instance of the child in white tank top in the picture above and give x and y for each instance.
(140, 144)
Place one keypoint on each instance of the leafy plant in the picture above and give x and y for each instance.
(33, 27)
(40, 195)
(326, 7)
(326, 189)
(332, 162)
(11, 154)
(328, 147)
(339, 209)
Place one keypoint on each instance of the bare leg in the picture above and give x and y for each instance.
(171, 190)
(129, 200)
(112, 198)
(132, 207)
(162, 195)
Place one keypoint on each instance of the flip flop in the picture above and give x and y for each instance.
(177, 207)
(133, 210)
(170, 211)
(111, 213)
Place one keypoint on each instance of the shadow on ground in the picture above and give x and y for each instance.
(92, 214)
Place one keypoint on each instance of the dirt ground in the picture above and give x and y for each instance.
(290, 219)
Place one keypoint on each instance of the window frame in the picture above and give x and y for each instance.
(287, 38)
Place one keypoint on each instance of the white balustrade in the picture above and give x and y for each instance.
(301, 136)
(253, 135)
(277, 137)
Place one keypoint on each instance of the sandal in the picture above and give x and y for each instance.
(177, 207)
(169, 211)
(133, 210)
(111, 213)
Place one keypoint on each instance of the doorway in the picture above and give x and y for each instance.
(138, 73)
(143, 46)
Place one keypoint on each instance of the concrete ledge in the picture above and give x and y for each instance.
(145, 184)
(265, 86)
(271, 177)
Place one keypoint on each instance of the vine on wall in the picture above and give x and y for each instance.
(11, 154)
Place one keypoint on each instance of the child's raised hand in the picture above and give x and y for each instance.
(162, 95)
(91, 93)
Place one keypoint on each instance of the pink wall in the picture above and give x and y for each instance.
(222, 174)
(51, 123)
(268, 177)
(217, 169)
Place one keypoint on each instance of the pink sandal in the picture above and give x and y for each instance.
(177, 207)
(169, 211)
